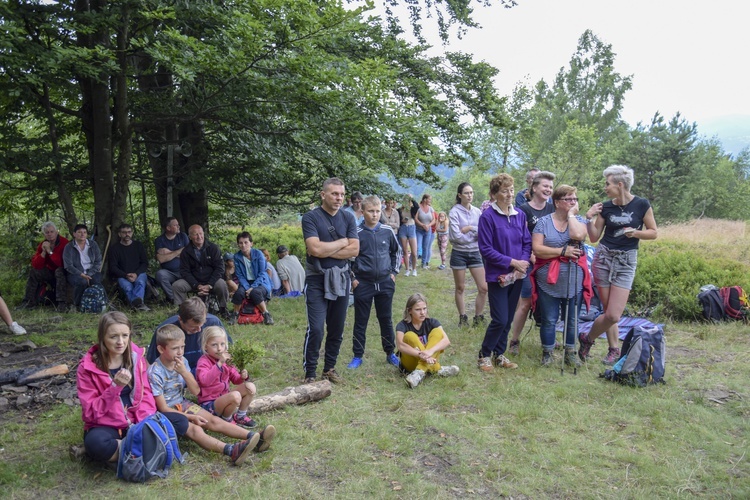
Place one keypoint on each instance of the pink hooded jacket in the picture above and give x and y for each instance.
(214, 382)
(100, 396)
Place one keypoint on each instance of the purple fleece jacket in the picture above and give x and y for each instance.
(502, 238)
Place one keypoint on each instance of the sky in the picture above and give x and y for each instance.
(684, 55)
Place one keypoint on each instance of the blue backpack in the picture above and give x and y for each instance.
(93, 300)
(148, 450)
(643, 358)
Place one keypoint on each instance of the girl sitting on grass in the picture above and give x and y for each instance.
(214, 374)
(421, 340)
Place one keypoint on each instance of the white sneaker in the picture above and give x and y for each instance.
(415, 273)
(17, 329)
(448, 371)
(414, 378)
(408, 272)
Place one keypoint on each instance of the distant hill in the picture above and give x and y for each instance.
(732, 130)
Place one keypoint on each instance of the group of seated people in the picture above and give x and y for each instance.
(119, 384)
(189, 264)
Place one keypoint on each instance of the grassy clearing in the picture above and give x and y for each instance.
(525, 433)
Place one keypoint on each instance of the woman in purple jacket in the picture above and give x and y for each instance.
(505, 245)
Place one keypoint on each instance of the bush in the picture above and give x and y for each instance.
(244, 353)
(670, 275)
(263, 237)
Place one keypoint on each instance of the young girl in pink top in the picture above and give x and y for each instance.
(214, 375)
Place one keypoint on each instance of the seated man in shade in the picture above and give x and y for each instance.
(128, 265)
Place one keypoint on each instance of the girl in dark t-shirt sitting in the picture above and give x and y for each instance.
(421, 340)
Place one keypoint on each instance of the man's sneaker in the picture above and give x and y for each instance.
(547, 358)
(571, 359)
(143, 307)
(463, 320)
(309, 380)
(240, 450)
(441, 266)
(503, 362)
(408, 272)
(25, 305)
(266, 436)
(356, 363)
(267, 319)
(332, 376)
(584, 346)
(478, 320)
(612, 356)
(137, 302)
(485, 364)
(515, 346)
(414, 273)
(393, 360)
(245, 421)
(415, 378)
(448, 371)
(17, 329)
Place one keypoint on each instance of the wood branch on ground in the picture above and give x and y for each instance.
(298, 395)
(23, 376)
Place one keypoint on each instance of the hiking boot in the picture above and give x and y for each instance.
(356, 363)
(393, 360)
(463, 320)
(503, 362)
(441, 266)
(515, 346)
(415, 378)
(143, 308)
(232, 318)
(77, 453)
(478, 320)
(448, 371)
(137, 302)
(266, 436)
(240, 450)
(17, 329)
(584, 347)
(547, 358)
(308, 380)
(267, 319)
(485, 364)
(245, 421)
(333, 377)
(612, 356)
(571, 359)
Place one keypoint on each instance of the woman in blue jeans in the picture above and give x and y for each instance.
(560, 278)
(425, 219)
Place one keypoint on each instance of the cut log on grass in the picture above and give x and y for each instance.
(298, 395)
(23, 377)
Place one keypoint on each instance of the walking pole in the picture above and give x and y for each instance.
(575, 305)
(565, 321)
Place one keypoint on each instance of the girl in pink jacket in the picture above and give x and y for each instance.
(214, 375)
(113, 389)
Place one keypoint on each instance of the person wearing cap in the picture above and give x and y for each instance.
(291, 272)
(356, 207)
(229, 275)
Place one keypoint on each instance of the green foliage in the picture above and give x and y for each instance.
(670, 274)
(245, 353)
(264, 237)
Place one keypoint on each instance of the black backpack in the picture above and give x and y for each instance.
(713, 305)
(643, 358)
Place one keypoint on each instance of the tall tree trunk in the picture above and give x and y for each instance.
(122, 122)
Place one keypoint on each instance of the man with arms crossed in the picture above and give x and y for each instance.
(331, 240)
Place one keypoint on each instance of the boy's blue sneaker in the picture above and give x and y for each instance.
(393, 359)
(356, 363)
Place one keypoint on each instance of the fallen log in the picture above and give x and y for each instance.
(298, 395)
(43, 374)
(31, 374)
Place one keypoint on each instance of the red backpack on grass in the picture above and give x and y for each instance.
(249, 314)
(735, 301)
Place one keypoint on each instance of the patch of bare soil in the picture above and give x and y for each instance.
(17, 401)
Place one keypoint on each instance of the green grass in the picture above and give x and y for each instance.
(524, 433)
